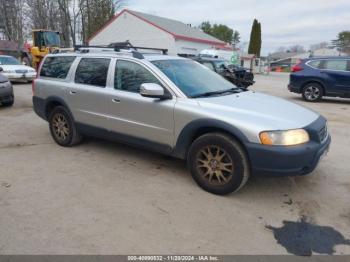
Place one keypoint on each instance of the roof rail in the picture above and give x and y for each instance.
(128, 45)
(118, 47)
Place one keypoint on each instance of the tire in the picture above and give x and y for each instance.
(62, 127)
(218, 163)
(9, 103)
(312, 92)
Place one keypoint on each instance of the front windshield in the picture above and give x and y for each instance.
(8, 60)
(52, 39)
(192, 78)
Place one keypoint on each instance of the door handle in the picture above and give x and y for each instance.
(115, 100)
(72, 92)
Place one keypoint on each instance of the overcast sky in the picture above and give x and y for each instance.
(284, 22)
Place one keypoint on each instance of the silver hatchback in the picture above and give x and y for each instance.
(178, 107)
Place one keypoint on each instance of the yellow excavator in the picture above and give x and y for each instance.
(44, 42)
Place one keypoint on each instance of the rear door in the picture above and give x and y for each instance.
(149, 120)
(87, 95)
(338, 76)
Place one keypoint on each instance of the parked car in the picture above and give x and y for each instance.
(318, 77)
(180, 108)
(6, 91)
(14, 70)
(239, 76)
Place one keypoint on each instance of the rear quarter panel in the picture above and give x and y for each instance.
(308, 75)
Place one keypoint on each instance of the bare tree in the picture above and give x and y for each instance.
(11, 19)
(95, 13)
(282, 49)
(66, 27)
(43, 14)
(74, 19)
(296, 49)
(319, 46)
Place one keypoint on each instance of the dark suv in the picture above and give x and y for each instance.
(318, 77)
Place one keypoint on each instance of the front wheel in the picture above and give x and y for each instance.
(312, 92)
(218, 163)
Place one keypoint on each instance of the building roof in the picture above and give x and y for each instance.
(283, 55)
(176, 28)
(6, 45)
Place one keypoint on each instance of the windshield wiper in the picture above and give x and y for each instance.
(212, 93)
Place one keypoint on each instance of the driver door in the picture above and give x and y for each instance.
(147, 120)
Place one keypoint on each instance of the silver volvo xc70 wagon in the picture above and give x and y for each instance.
(180, 108)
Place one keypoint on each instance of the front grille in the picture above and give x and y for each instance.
(5, 98)
(21, 71)
(323, 134)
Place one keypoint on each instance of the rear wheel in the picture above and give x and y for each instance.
(218, 163)
(312, 92)
(62, 127)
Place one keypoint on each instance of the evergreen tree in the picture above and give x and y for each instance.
(343, 42)
(255, 39)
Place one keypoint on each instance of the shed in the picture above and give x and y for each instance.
(156, 32)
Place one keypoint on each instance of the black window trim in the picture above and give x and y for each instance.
(323, 62)
(77, 61)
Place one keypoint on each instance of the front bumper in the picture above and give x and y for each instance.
(20, 76)
(289, 160)
(6, 92)
(294, 89)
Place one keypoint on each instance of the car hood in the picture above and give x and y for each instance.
(253, 110)
(16, 67)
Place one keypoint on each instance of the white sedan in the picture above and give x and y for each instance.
(14, 70)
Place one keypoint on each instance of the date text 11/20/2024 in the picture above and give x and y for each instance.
(173, 258)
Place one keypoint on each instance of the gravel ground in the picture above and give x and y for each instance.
(107, 198)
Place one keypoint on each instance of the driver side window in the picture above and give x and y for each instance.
(129, 76)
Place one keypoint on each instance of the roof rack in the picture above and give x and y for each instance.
(119, 47)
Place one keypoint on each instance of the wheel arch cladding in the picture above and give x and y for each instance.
(53, 102)
(200, 127)
(317, 81)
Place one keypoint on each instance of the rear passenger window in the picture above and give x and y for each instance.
(336, 65)
(315, 63)
(92, 71)
(130, 76)
(57, 67)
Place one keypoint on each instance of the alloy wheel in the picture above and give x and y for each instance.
(215, 165)
(60, 126)
(312, 93)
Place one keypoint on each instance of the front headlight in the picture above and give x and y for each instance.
(284, 138)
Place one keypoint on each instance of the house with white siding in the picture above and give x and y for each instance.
(156, 32)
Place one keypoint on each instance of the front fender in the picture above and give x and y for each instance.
(189, 132)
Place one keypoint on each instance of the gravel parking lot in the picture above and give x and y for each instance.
(107, 198)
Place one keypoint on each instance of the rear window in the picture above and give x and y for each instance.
(57, 67)
(92, 71)
(315, 63)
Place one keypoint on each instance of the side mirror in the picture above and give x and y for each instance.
(1, 69)
(153, 91)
